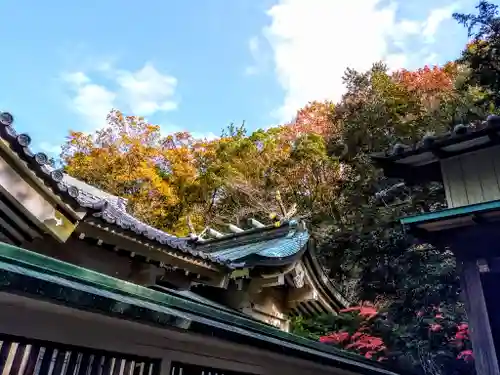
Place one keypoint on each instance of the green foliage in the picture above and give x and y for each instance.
(481, 55)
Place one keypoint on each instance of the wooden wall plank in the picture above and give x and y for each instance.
(472, 178)
(470, 171)
(455, 180)
(445, 172)
(488, 175)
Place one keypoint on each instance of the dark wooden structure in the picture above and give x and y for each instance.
(467, 162)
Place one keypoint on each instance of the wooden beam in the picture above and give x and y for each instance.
(125, 243)
(145, 274)
(257, 285)
(480, 330)
(306, 293)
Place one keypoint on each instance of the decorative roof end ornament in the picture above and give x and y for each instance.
(6, 119)
(285, 214)
(214, 233)
(394, 195)
(192, 232)
(235, 229)
(460, 129)
(493, 120)
(256, 224)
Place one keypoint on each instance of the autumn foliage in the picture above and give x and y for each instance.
(168, 178)
(132, 159)
(314, 118)
(428, 79)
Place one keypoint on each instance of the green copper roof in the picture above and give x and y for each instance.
(35, 275)
(449, 213)
(268, 245)
(282, 247)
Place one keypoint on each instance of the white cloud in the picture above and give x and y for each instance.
(209, 136)
(90, 100)
(76, 78)
(314, 41)
(435, 19)
(147, 91)
(254, 48)
(142, 93)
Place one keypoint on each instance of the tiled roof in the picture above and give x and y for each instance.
(421, 160)
(38, 163)
(283, 247)
(270, 244)
(266, 242)
(76, 193)
(37, 276)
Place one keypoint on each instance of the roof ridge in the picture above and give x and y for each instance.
(109, 207)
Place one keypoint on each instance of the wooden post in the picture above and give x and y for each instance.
(479, 324)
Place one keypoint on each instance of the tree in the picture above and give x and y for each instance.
(314, 118)
(367, 245)
(378, 111)
(481, 56)
(160, 176)
(253, 168)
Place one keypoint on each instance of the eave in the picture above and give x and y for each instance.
(164, 256)
(272, 246)
(319, 296)
(469, 231)
(322, 283)
(454, 217)
(38, 174)
(421, 162)
(256, 260)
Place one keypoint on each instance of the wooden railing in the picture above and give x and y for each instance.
(21, 356)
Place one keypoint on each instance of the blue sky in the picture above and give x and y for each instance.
(198, 65)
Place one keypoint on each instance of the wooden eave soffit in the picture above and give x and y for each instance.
(26, 174)
(36, 205)
(167, 259)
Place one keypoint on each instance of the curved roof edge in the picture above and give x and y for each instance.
(273, 245)
(77, 194)
(321, 282)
